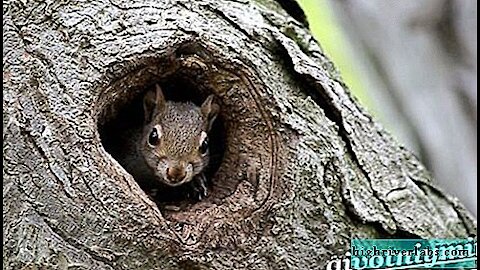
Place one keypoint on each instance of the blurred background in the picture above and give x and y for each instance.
(413, 65)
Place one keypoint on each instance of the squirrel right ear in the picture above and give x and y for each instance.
(153, 103)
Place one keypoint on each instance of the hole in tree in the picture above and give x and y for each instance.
(121, 131)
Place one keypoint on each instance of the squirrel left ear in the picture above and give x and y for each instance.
(153, 103)
(210, 110)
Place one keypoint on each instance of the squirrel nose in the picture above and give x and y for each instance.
(176, 174)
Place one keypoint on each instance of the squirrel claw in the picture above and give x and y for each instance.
(200, 190)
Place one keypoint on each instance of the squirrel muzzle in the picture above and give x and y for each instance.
(176, 174)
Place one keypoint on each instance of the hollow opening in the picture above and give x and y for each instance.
(246, 154)
(124, 120)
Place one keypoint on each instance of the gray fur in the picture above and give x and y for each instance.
(180, 126)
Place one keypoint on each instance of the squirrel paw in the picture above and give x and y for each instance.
(199, 188)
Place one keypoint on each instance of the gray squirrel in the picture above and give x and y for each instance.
(172, 146)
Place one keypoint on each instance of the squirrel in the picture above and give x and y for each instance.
(172, 145)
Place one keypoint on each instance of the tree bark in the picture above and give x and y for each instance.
(304, 168)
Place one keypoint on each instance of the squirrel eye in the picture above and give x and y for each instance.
(204, 146)
(153, 137)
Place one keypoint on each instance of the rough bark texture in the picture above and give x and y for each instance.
(419, 59)
(305, 168)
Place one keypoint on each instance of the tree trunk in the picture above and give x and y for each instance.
(304, 167)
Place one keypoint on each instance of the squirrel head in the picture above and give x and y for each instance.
(175, 137)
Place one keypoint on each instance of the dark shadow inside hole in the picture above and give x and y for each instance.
(130, 119)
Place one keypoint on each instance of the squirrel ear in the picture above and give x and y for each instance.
(210, 110)
(153, 103)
